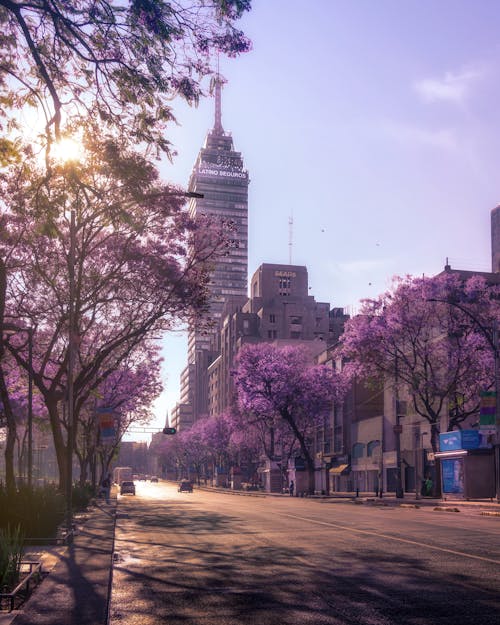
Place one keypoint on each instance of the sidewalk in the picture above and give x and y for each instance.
(76, 591)
(449, 501)
(390, 499)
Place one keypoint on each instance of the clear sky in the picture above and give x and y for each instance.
(376, 125)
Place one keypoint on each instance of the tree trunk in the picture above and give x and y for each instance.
(84, 465)
(437, 463)
(61, 448)
(10, 480)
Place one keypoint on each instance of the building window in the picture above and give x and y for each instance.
(296, 319)
(271, 334)
(285, 285)
(371, 447)
(272, 318)
(357, 450)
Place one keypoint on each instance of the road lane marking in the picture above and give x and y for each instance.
(390, 537)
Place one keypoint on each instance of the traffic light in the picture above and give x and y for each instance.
(169, 431)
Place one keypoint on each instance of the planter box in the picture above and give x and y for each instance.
(31, 572)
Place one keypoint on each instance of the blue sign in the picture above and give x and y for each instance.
(470, 439)
(450, 441)
(459, 439)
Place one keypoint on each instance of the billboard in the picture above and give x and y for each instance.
(453, 475)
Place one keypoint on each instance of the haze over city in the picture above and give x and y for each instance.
(374, 127)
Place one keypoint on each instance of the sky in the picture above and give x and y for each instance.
(375, 126)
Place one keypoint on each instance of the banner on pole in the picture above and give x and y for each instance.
(107, 424)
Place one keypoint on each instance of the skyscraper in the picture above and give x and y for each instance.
(219, 175)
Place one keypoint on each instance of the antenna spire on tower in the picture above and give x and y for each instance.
(218, 99)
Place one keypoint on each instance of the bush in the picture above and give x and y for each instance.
(82, 496)
(39, 511)
(11, 551)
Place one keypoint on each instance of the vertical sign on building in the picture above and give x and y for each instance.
(487, 409)
(487, 417)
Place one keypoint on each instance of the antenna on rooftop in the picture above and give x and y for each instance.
(290, 238)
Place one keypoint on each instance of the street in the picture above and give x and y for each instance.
(222, 559)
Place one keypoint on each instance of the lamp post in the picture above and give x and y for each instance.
(71, 369)
(12, 328)
(490, 333)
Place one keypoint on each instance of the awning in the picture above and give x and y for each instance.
(342, 468)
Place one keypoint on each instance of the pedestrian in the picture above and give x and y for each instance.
(106, 487)
(290, 488)
(428, 486)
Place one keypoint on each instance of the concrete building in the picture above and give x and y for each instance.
(279, 296)
(219, 175)
(495, 240)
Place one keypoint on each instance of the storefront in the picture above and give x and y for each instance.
(467, 465)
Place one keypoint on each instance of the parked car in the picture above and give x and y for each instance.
(185, 487)
(127, 487)
(154, 478)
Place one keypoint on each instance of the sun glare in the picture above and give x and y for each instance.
(67, 150)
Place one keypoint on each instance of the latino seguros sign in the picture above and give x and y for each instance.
(222, 173)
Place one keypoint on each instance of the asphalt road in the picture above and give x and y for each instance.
(219, 559)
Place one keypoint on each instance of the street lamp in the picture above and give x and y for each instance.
(71, 370)
(12, 328)
(491, 335)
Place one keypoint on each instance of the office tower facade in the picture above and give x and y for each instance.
(220, 177)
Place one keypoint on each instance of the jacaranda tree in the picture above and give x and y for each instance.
(141, 266)
(127, 394)
(430, 337)
(281, 386)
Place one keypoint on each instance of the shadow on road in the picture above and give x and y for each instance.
(211, 569)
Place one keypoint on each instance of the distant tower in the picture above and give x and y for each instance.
(220, 176)
(495, 240)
